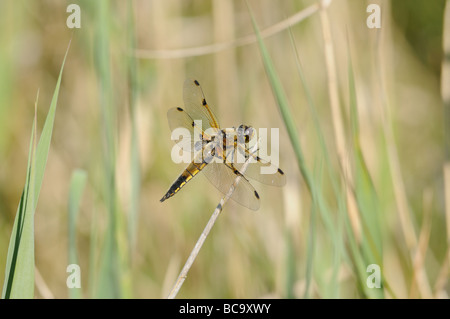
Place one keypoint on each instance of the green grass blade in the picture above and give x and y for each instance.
(316, 194)
(46, 136)
(16, 251)
(77, 184)
(283, 105)
(311, 244)
(365, 193)
(19, 272)
(326, 216)
(318, 199)
(109, 281)
(285, 112)
(290, 270)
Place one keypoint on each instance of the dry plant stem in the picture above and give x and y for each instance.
(442, 279)
(384, 54)
(445, 92)
(447, 200)
(42, 286)
(338, 122)
(183, 274)
(213, 48)
(403, 209)
(419, 280)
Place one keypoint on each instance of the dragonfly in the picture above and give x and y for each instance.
(215, 151)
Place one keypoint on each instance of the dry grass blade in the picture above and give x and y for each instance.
(42, 286)
(187, 266)
(419, 281)
(338, 123)
(214, 48)
(445, 93)
(384, 60)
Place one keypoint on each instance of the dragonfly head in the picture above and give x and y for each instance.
(245, 133)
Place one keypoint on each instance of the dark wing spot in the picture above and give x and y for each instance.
(280, 171)
(204, 102)
(180, 109)
(219, 206)
(236, 172)
(196, 83)
(193, 124)
(258, 158)
(256, 194)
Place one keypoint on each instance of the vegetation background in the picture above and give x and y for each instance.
(364, 158)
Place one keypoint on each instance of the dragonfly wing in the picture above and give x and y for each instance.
(222, 177)
(196, 105)
(259, 169)
(186, 134)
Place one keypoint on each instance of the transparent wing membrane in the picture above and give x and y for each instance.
(222, 177)
(260, 169)
(196, 105)
(178, 118)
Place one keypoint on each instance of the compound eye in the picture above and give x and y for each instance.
(240, 131)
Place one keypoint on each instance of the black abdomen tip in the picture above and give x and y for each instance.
(165, 197)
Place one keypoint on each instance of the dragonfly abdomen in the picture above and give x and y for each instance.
(185, 177)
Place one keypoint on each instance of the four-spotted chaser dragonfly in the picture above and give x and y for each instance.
(216, 149)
